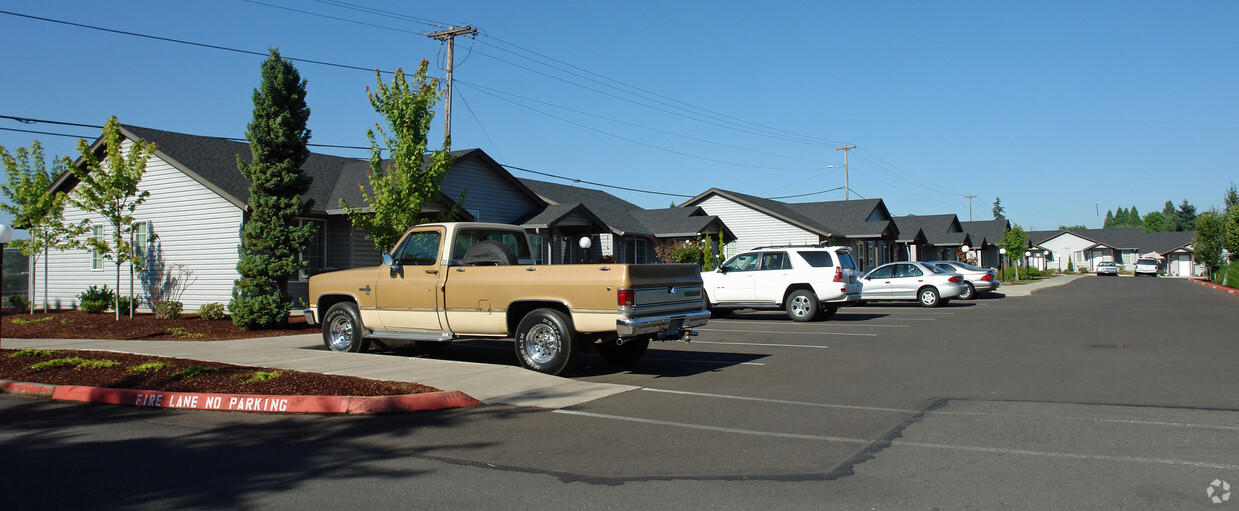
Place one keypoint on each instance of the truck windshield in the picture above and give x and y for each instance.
(470, 237)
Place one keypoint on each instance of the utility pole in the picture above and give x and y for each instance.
(970, 197)
(449, 36)
(846, 190)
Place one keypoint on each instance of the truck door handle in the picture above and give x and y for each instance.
(433, 272)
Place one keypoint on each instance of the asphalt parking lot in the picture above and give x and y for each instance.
(1104, 393)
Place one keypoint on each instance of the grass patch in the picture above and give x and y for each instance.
(66, 321)
(182, 333)
(149, 367)
(33, 353)
(258, 376)
(192, 371)
(20, 321)
(76, 362)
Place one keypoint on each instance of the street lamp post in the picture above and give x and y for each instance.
(6, 235)
(1002, 252)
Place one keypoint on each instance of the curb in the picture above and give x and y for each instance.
(1206, 283)
(244, 402)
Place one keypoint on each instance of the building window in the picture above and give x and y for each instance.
(315, 254)
(96, 257)
(536, 246)
(141, 241)
(637, 253)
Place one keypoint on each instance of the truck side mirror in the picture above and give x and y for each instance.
(394, 268)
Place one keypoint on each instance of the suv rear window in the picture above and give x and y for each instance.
(845, 260)
(817, 258)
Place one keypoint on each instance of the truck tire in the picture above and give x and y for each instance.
(623, 354)
(802, 305)
(715, 312)
(546, 341)
(342, 330)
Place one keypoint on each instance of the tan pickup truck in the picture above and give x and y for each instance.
(460, 280)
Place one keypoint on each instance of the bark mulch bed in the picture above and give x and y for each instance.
(75, 324)
(165, 374)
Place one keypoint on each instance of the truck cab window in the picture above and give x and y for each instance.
(419, 249)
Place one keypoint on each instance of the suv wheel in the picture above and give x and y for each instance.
(802, 305)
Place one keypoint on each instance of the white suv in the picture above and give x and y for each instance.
(1146, 267)
(809, 282)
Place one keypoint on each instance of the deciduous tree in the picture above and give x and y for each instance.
(272, 241)
(34, 207)
(110, 188)
(399, 188)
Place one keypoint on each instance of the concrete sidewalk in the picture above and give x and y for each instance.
(487, 383)
(1040, 285)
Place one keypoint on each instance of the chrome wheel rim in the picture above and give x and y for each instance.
(542, 344)
(800, 306)
(928, 297)
(341, 334)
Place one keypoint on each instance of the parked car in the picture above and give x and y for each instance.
(809, 282)
(978, 280)
(914, 281)
(1146, 266)
(1107, 268)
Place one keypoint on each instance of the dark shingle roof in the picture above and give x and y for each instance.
(940, 230)
(986, 232)
(1124, 239)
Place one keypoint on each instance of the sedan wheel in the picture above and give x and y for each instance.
(928, 297)
(969, 293)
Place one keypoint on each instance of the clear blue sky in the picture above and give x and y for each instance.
(1051, 106)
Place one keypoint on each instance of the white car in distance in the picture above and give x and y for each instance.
(808, 282)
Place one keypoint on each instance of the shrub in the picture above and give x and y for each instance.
(96, 300)
(255, 312)
(168, 310)
(211, 311)
(19, 302)
(124, 302)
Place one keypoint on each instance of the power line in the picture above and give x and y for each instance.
(188, 43)
(25, 120)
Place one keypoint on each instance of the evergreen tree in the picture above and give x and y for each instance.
(272, 240)
(998, 211)
(1109, 220)
(1187, 216)
(1133, 218)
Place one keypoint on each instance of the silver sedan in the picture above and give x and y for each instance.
(978, 280)
(913, 281)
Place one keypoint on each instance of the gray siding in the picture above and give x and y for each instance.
(754, 228)
(494, 196)
(196, 227)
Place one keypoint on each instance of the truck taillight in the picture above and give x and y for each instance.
(838, 274)
(624, 297)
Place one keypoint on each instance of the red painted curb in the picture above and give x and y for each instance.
(245, 402)
(1206, 283)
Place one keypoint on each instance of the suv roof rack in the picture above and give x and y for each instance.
(822, 245)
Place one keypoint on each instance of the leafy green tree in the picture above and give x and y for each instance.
(1208, 241)
(1072, 228)
(1156, 222)
(110, 188)
(34, 207)
(1015, 240)
(272, 241)
(1230, 223)
(998, 211)
(399, 189)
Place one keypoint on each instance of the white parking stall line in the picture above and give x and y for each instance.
(830, 323)
(904, 443)
(1099, 420)
(782, 401)
(703, 361)
(784, 333)
(763, 344)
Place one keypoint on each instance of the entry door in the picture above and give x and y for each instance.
(408, 298)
